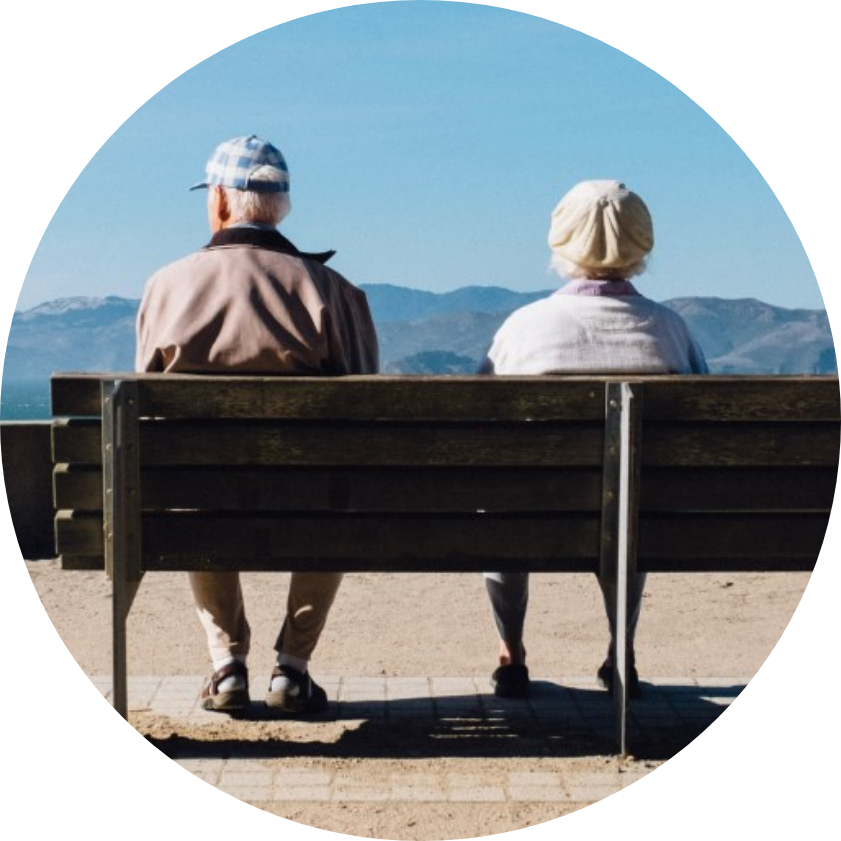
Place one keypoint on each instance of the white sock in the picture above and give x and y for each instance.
(227, 660)
(295, 662)
(234, 682)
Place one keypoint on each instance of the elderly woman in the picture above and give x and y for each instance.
(601, 235)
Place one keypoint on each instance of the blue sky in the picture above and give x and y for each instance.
(428, 144)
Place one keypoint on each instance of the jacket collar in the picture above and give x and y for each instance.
(267, 238)
(599, 288)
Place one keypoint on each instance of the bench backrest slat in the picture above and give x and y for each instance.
(374, 538)
(717, 488)
(329, 488)
(263, 443)
(673, 398)
(748, 444)
(342, 398)
(286, 443)
(79, 487)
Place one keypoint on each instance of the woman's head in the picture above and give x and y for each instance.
(600, 230)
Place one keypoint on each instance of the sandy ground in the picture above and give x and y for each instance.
(427, 625)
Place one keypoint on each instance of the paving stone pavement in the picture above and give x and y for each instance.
(564, 717)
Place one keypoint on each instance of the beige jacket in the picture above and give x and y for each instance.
(251, 303)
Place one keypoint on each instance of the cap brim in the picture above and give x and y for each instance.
(202, 185)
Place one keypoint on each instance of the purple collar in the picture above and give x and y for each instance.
(610, 288)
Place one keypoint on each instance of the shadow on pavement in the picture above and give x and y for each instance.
(554, 722)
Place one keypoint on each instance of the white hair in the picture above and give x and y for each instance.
(572, 271)
(253, 206)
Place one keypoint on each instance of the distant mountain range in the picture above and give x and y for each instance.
(431, 333)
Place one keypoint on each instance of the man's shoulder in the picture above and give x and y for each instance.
(333, 278)
(167, 275)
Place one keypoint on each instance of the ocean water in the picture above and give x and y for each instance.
(25, 400)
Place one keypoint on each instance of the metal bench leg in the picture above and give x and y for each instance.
(121, 518)
(619, 526)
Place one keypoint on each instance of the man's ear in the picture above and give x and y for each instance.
(223, 210)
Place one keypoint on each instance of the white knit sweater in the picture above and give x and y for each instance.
(569, 333)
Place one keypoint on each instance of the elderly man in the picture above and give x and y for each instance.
(250, 302)
(601, 234)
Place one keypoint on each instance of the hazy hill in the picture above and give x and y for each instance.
(71, 334)
(396, 303)
(426, 332)
(749, 336)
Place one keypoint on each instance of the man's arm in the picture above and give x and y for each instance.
(147, 357)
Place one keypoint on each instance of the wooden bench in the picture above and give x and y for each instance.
(440, 474)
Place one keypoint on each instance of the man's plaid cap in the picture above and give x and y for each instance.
(233, 163)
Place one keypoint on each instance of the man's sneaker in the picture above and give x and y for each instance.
(227, 690)
(291, 691)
